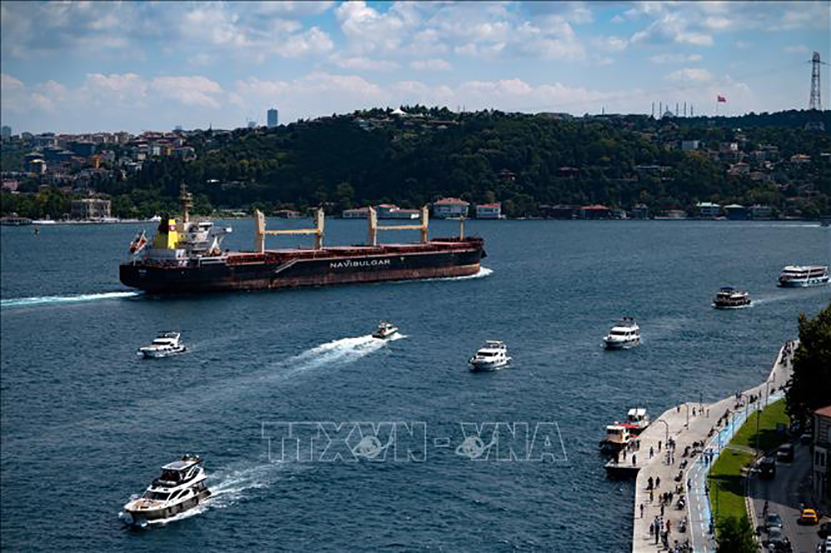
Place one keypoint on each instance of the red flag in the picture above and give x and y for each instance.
(138, 243)
(721, 99)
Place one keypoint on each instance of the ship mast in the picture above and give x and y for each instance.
(186, 200)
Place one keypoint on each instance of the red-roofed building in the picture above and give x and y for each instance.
(449, 207)
(595, 212)
(489, 211)
(820, 474)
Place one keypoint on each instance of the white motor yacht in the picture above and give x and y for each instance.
(637, 420)
(797, 276)
(180, 488)
(493, 355)
(385, 330)
(625, 334)
(165, 345)
(730, 298)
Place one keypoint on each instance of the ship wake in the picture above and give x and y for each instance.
(345, 350)
(47, 300)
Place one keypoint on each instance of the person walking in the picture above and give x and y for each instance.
(641, 510)
(657, 482)
(651, 452)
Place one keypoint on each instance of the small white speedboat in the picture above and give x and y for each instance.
(385, 330)
(180, 488)
(165, 345)
(625, 334)
(493, 355)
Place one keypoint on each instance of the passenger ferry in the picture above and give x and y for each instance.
(625, 334)
(180, 488)
(617, 437)
(493, 355)
(730, 298)
(799, 276)
(637, 420)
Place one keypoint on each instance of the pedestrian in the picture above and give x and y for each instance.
(669, 526)
(662, 509)
(651, 452)
(641, 510)
(649, 483)
(651, 496)
(634, 459)
(659, 445)
(689, 483)
(651, 529)
(657, 481)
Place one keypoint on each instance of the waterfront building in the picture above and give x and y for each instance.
(287, 214)
(389, 211)
(357, 213)
(761, 212)
(595, 212)
(450, 207)
(559, 211)
(820, 477)
(489, 211)
(708, 210)
(736, 212)
(640, 211)
(91, 209)
(273, 117)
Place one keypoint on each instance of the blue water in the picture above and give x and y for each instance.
(85, 423)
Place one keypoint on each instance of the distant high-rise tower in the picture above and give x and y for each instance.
(816, 100)
(273, 118)
(6, 132)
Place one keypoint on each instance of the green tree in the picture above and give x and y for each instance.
(808, 389)
(735, 535)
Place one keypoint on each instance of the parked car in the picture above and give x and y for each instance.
(809, 516)
(767, 468)
(785, 453)
(806, 438)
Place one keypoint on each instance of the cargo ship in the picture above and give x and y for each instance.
(186, 256)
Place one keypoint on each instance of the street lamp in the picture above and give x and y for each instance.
(687, 425)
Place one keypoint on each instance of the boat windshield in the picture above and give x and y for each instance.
(170, 476)
(162, 342)
(157, 496)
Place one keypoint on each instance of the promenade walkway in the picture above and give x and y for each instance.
(702, 428)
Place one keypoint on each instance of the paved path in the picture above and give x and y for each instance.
(686, 424)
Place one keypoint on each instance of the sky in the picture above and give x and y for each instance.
(134, 66)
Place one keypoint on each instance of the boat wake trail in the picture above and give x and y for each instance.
(229, 486)
(345, 350)
(44, 300)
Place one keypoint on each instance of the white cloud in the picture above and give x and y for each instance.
(800, 49)
(435, 64)
(674, 58)
(688, 74)
(368, 29)
(611, 43)
(189, 90)
(366, 64)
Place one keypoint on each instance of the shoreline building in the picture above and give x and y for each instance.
(89, 209)
(273, 118)
(489, 211)
(449, 207)
(821, 478)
